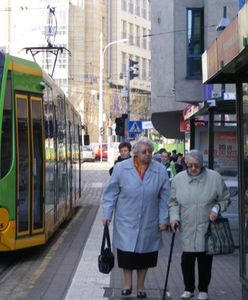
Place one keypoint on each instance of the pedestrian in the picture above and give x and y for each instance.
(125, 152)
(137, 194)
(157, 155)
(198, 194)
(169, 165)
(180, 163)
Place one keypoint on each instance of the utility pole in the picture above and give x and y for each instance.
(131, 72)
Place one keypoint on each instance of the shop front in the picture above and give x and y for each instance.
(226, 61)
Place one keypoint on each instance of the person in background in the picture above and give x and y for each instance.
(180, 163)
(157, 155)
(198, 194)
(125, 152)
(137, 194)
(170, 167)
(173, 156)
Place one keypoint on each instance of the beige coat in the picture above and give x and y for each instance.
(191, 201)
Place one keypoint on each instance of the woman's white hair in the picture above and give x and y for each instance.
(196, 154)
(142, 141)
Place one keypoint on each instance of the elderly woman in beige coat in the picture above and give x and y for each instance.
(198, 194)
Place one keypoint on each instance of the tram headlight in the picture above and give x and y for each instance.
(4, 218)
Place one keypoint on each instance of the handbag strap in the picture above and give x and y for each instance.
(105, 237)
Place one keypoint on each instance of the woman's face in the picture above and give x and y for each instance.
(124, 152)
(144, 154)
(194, 166)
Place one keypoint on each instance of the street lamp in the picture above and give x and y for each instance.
(102, 52)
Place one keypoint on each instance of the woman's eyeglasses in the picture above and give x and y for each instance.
(146, 151)
(191, 165)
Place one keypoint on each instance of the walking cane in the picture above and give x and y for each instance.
(169, 263)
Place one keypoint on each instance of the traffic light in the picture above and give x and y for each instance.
(120, 125)
(102, 131)
(133, 69)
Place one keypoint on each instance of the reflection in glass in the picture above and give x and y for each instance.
(23, 164)
(245, 165)
(37, 164)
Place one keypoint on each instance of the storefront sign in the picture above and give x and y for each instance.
(227, 44)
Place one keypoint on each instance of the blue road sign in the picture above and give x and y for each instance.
(135, 127)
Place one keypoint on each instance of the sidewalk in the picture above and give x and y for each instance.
(89, 284)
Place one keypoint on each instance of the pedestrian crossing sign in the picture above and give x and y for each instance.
(135, 127)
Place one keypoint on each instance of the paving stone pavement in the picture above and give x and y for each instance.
(88, 283)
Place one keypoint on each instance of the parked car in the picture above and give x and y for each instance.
(88, 153)
(104, 152)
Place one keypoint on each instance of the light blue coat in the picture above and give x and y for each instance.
(138, 206)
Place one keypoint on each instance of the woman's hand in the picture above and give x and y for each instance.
(213, 216)
(162, 227)
(104, 221)
(174, 225)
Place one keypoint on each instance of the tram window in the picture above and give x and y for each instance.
(6, 145)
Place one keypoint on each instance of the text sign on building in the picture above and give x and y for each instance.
(147, 125)
(135, 127)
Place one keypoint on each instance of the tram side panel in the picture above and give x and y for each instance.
(39, 144)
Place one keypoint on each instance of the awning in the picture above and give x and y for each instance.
(226, 59)
(218, 106)
(168, 124)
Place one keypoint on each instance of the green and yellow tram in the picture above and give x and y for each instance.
(40, 140)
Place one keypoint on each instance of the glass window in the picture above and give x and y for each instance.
(195, 42)
(244, 190)
(144, 38)
(23, 162)
(130, 6)
(143, 68)
(124, 29)
(124, 5)
(6, 141)
(123, 62)
(137, 7)
(1, 66)
(137, 36)
(131, 42)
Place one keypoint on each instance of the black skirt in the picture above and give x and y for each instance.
(132, 260)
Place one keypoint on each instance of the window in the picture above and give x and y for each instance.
(149, 40)
(149, 69)
(130, 6)
(143, 68)
(124, 5)
(123, 62)
(195, 42)
(131, 34)
(144, 11)
(137, 36)
(6, 145)
(144, 38)
(124, 29)
(137, 7)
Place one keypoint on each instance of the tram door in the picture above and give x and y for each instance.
(30, 164)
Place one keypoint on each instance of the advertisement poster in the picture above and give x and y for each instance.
(225, 148)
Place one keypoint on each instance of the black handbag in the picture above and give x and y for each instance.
(218, 238)
(106, 259)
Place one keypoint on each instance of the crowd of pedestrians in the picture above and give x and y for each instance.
(147, 193)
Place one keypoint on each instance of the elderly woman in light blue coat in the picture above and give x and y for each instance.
(137, 195)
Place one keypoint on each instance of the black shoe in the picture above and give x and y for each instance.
(126, 292)
(141, 295)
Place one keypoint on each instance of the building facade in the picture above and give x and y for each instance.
(229, 65)
(76, 25)
(181, 30)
